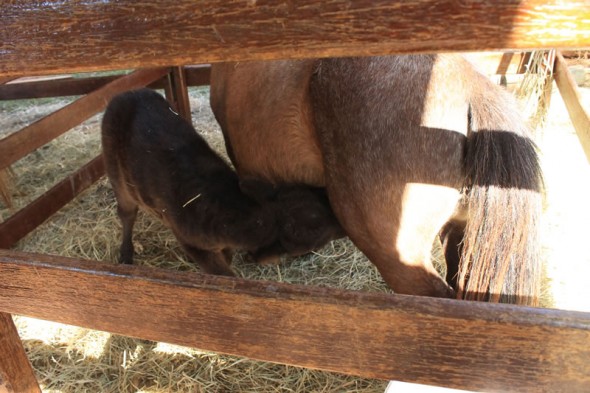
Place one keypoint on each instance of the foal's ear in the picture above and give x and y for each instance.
(259, 190)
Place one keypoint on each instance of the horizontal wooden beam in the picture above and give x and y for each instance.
(19, 144)
(571, 97)
(443, 342)
(61, 87)
(195, 76)
(34, 214)
(76, 36)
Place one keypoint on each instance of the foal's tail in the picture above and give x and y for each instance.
(500, 254)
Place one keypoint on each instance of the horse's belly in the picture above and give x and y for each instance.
(264, 111)
(283, 149)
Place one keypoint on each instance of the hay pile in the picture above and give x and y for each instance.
(71, 359)
(534, 92)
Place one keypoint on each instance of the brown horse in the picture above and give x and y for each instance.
(409, 148)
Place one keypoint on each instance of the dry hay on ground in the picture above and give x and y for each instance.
(70, 359)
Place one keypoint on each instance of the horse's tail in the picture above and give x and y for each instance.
(5, 186)
(500, 254)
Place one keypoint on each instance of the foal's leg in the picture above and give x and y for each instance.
(127, 212)
(228, 254)
(211, 262)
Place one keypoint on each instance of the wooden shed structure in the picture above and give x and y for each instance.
(431, 341)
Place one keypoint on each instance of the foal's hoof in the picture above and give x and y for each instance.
(126, 261)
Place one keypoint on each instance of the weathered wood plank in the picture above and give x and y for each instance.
(21, 143)
(98, 35)
(442, 342)
(34, 214)
(54, 87)
(571, 97)
(195, 76)
(16, 373)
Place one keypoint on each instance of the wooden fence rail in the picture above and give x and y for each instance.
(444, 342)
(35, 213)
(579, 116)
(21, 143)
(98, 35)
(433, 341)
(62, 87)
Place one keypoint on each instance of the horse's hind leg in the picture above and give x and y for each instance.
(451, 237)
(395, 228)
(392, 134)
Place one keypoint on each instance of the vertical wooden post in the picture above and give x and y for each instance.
(571, 97)
(16, 373)
(503, 67)
(177, 92)
(504, 63)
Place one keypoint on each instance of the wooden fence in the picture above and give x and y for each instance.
(433, 341)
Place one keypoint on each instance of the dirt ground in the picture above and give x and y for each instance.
(70, 359)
